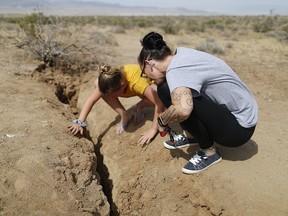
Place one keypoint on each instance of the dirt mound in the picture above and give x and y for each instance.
(44, 170)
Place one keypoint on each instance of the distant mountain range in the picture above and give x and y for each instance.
(79, 8)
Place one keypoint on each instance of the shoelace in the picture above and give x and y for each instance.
(180, 137)
(197, 159)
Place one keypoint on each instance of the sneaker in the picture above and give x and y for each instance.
(200, 161)
(180, 141)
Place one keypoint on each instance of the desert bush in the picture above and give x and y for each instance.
(142, 22)
(30, 23)
(230, 21)
(285, 27)
(119, 29)
(279, 35)
(229, 45)
(264, 25)
(81, 20)
(211, 46)
(193, 26)
(103, 39)
(41, 35)
(274, 26)
(215, 24)
(12, 19)
(170, 28)
(124, 22)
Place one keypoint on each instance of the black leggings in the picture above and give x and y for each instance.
(210, 122)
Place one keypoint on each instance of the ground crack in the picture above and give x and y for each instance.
(102, 170)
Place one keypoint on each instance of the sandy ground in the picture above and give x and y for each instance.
(45, 171)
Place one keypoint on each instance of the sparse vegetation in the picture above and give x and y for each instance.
(171, 25)
(43, 36)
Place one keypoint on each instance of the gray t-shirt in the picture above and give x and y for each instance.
(210, 76)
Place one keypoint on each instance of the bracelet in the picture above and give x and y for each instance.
(160, 122)
(81, 123)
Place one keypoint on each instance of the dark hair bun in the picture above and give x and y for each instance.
(153, 41)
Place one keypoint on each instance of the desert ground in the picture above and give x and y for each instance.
(47, 171)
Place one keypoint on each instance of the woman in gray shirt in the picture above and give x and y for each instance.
(204, 95)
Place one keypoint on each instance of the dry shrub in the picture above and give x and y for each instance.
(211, 46)
(103, 39)
(42, 37)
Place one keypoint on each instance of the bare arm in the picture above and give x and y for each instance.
(181, 108)
(89, 103)
(151, 94)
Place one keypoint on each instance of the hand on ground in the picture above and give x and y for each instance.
(75, 128)
(147, 137)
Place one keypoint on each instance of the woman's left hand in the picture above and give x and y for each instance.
(147, 137)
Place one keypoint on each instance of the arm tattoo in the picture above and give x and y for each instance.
(181, 108)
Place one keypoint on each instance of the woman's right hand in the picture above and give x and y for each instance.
(75, 128)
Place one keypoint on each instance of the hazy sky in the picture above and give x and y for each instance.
(222, 6)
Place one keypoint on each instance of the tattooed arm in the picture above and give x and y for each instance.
(181, 108)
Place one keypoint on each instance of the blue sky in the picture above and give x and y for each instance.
(221, 6)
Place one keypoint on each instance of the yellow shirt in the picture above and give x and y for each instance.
(136, 84)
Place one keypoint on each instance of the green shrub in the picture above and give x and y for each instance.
(171, 28)
(194, 26)
(285, 27)
(29, 23)
(264, 25)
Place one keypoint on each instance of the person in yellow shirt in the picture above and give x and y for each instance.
(124, 81)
